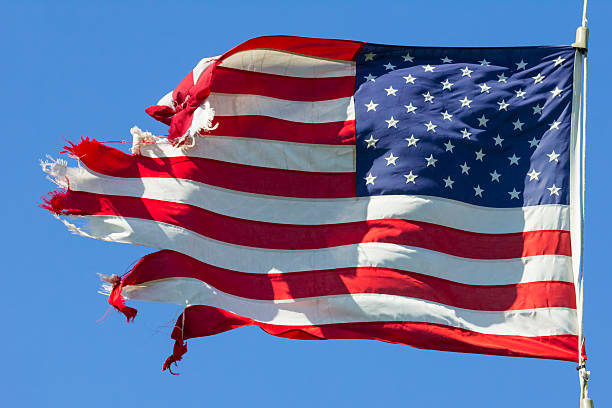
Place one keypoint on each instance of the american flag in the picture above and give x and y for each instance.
(327, 189)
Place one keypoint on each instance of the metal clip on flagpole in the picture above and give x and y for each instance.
(582, 39)
(581, 45)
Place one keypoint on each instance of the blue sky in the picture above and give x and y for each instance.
(72, 69)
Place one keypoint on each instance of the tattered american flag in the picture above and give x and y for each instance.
(328, 189)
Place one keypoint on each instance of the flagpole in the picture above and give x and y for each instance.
(581, 45)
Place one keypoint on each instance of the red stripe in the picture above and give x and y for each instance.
(315, 47)
(202, 321)
(240, 177)
(235, 81)
(264, 127)
(179, 95)
(277, 286)
(285, 236)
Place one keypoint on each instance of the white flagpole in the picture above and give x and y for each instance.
(581, 45)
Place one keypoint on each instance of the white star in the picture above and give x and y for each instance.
(520, 93)
(431, 161)
(518, 124)
(446, 84)
(503, 105)
(449, 146)
(554, 125)
(480, 155)
(410, 177)
(514, 194)
(478, 191)
(484, 88)
(446, 115)
(520, 65)
(537, 110)
(410, 108)
(389, 66)
(391, 91)
(484, 63)
(371, 142)
(371, 105)
(554, 190)
(533, 175)
(369, 56)
(428, 68)
(428, 97)
(514, 159)
(370, 179)
(465, 169)
(534, 142)
(448, 182)
(409, 79)
(502, 78)
(431, 127)
(538, 78)
(412, 141)
(466, 72)
(370, 77)
(446, 60)
(465, 133)
(482, 121)
(465, 102)
(558, 61)
(553, 157)
(391, 159)
(392, 123)
(556, 92)
(495, 176)
(407, 57)
(498, 140)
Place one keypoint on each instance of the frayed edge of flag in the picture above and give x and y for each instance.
(180, 347)
(178, 351)
(203, 116)
(142, 139)
(207, 115)
(79, 150)
(73, 228)
(53, 202)
(113, 286)
(56, 170)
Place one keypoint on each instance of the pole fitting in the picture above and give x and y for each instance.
(582, 39)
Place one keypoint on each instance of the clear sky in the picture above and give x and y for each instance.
(71, 69)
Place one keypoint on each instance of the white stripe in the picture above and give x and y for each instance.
(362, 307)
(298, 211)
(166, 100)
(333, 110)
(288, 64)
(263, 153)
(257, 260)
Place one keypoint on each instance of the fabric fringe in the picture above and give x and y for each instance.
(56, 170)
(115, 284)
(140, 139)
(179, 349)
(205, 114)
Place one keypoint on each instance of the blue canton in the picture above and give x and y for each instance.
(486, 126)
